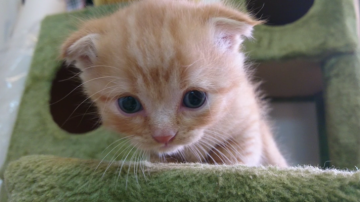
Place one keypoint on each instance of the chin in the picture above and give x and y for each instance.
(168, 149)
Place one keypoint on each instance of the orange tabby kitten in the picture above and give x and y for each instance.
(168, 74)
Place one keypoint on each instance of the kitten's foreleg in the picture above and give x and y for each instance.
(271, 154)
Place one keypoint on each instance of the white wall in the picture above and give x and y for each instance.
(18, 36)
(296, 132)
(9, 10)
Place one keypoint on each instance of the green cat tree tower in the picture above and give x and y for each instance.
(47, 163)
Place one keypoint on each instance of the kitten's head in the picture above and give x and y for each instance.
(162, 71)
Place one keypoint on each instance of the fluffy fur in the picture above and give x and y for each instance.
(156, 51)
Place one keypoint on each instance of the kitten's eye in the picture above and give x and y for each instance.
(129, 104)
(194, 99)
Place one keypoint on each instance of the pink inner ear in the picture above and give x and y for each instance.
(85, 59)
(228, 41)
(83, 51)
(229, 33)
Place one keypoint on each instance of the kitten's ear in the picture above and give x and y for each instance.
(81, 49)
(230, 27)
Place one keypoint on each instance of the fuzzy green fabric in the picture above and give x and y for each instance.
(342, 78)
(327, 29)
(35, 132)
(48, 178)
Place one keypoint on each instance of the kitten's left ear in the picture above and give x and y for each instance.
(80, 49)
(230, 27)
(81, 46)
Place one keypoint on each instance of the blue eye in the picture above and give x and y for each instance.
(194, 99)
(129, 104)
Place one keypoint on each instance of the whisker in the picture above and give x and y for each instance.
(108, 153)
(81, 104)
(142, 165)
(82, 85)
(230, 149)
(123, 161)
(72, 77)
(210, 147)
(86, 113)
(132, 165)
(235, 150)
(218, 151)
(182, 155)
(115, 157)
(194, 152)
(205, 152)
(112, 149)
(200, 154)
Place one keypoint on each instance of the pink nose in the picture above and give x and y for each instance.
(163, 135)
(163, 139)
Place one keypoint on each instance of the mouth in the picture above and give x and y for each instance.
(168, 148)
(165, 145)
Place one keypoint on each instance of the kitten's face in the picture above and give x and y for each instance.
(147, 93)
(168, 70)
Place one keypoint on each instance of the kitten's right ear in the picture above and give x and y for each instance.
(81, 49)
(230, 26)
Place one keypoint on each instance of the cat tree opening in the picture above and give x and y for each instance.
(294, 90)
(70, 108)
(279, 12)
(289, 79)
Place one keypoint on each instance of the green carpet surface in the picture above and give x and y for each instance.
(342, 77)
(326, 29)
(49, 178)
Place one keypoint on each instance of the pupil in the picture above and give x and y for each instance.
(129, 103)
(195, 97)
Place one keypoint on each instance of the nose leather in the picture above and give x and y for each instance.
(163, 139)
(163, 136)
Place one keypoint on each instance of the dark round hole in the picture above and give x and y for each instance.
(69, 106)
(279, 12)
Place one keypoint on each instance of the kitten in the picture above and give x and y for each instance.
(168, 75)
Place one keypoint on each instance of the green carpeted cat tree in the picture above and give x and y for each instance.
(47, 163)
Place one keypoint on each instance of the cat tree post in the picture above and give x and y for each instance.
(326, 34)
(342, 102)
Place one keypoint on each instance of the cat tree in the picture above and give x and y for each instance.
(51, 159)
